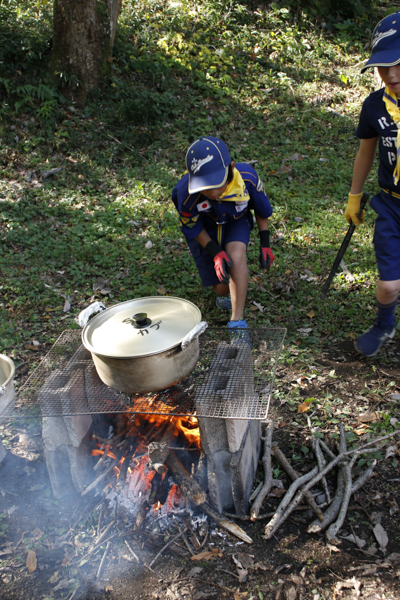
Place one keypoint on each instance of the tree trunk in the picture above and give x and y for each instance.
(83, 38)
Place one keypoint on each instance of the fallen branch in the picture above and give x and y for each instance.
(282, 513)
(332, 512)
(327, 450)
(321, 464)
(320, 458)
(333, 509)
(285, 464)
(335, 527)
(266, 460)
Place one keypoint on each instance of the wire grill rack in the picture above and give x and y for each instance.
(232, 380)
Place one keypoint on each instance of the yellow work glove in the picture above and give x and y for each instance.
(353, 208)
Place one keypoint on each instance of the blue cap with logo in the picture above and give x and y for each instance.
(385, 43)
(207, 161)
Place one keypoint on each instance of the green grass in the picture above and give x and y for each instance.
(252, 76)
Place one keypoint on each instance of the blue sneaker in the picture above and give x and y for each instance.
(370, 341)
(239, 332)
(224, 302)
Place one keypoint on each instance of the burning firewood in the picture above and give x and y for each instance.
(114, 463)
(192, 490)
(188, 485)
(159, 450)
(124, 469)
(155, 486)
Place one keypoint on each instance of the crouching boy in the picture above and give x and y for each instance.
(214, 199)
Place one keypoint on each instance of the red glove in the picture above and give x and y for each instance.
(266, 255)
(221, 261)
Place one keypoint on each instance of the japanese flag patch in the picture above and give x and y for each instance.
(205, 205)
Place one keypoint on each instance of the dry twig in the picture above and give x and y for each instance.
(101, 565)
(171, 541)
(284, 463)
(135, 556)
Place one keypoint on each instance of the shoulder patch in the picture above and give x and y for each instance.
(188, 221)
(260, 186)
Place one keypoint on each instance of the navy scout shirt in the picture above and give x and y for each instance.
(196, 211)
(376, 121)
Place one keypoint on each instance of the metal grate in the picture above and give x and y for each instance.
(231, 380)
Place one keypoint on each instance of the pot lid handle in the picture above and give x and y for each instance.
(87, 312)
(194, 333)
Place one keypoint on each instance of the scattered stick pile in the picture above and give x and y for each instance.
(300, 489)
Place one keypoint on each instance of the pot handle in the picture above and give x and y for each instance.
(84, 315)
(194, 333)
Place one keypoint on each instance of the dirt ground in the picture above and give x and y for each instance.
(43, 541)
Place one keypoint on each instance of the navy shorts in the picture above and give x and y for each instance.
(387, 235)
(238, 231)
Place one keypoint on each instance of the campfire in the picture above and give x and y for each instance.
(133, 464)
(194, 446)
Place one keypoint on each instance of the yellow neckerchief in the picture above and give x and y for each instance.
(393, 109)
(236, 190)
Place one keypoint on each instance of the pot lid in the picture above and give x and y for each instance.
(140, 327)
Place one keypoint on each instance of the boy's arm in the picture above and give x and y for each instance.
(266, 255)
(362, 166)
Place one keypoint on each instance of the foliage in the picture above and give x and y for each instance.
(332, 11)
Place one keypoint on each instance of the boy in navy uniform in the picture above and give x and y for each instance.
(214, 198)
(380, 122)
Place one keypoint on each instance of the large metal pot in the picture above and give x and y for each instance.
(144, 345)
(7, 394)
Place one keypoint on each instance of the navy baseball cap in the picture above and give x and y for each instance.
(207, 161)
(385, 43)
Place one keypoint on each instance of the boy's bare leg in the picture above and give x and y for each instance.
(239, 277)
(221, 289)
(387, 291)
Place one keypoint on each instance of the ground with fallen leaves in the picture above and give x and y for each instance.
(37, 559)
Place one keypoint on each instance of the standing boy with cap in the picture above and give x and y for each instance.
(214, 198)
(380, 120)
